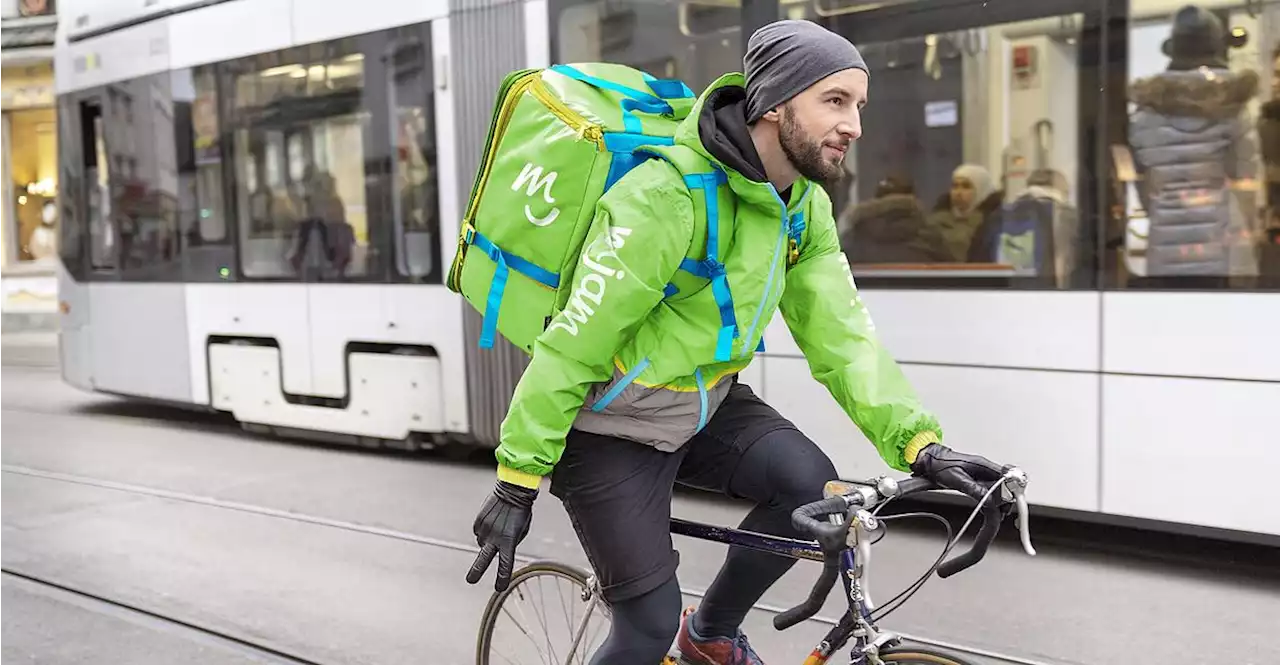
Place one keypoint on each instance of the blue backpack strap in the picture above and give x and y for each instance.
(668, 88)
(505, 261)
(711, 268)
(625, 147)
(633, 100)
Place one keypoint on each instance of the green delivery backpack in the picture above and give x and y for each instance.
(559, 138)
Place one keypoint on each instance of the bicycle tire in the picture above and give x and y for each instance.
(489, 618)
(914, 656)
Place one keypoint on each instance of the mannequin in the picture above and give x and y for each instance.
(43, 243)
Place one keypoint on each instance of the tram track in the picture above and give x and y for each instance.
(131, 612)
(353, 527)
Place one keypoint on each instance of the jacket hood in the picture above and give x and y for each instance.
(893, 218)
(716, 128)
(1200, 93)
(723, 130)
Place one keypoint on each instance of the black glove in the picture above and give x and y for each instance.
(972, 475)
(503, 521)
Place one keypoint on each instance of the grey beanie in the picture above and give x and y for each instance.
(786, 57)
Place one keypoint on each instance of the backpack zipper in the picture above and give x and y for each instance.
(510, 98)
(583, 127)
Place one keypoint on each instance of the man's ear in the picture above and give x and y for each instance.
(773, 115)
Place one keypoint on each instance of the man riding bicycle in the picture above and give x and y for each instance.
(644, 393)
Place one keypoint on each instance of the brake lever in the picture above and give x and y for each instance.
(1013, 487)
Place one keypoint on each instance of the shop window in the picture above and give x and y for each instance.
(31, 137)
(1196, 169)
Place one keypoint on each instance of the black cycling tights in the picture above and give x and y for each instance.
(780, 472)
(643, 627)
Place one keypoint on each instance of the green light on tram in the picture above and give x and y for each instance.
(224, 272)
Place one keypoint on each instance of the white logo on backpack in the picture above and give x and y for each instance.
(593, 284)
(532, 180)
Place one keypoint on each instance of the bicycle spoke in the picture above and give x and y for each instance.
(546, 630)
(568, 637)
(526, 633)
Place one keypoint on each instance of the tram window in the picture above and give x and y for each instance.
(72, 223)
(968, 170)
(1196, 172)
(696, 42)
(299, 126)
(144, 202)
(414, 188)
(203, 224)
(97, 188)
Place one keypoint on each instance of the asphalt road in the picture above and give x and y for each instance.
(152, 518)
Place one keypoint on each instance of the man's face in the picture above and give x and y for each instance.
(817, 126)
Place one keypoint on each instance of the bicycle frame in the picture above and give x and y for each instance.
(848, 625)
(850, 549)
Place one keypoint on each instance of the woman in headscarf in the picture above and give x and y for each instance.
(962, 210)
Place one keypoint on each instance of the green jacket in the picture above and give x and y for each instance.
(625, 361)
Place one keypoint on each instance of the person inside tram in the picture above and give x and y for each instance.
(1269, 140)
(323, 239)
(1037, 232)
(890, 228)
(1194, 149)
(959, 212)
(776, 132)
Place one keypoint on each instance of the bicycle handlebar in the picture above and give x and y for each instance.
(831, 537)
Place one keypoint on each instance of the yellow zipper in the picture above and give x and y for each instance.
(504, 116)
(585, 128)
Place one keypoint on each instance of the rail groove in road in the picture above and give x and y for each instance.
(397, 535)
(106, 605)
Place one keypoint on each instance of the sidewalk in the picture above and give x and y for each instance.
(29, 349)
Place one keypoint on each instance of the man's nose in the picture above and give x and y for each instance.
(851, 128)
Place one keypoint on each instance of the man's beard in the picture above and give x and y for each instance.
(805, 155)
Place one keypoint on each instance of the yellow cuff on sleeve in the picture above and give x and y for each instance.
(917, 443)
(519, 477)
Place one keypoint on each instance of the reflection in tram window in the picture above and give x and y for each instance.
(414, 182)
(298, 125)
(982, 152)
(1201, 149)
(696, 42)
(202, 212)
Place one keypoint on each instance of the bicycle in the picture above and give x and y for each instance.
(842, 544)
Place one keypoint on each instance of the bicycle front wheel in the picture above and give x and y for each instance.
(912, 656)
(548, 615)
